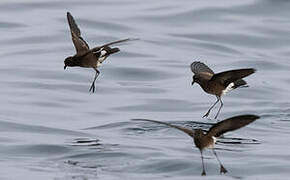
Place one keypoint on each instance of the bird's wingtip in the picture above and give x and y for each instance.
(255, 116)
(134, 39)
(251, 116)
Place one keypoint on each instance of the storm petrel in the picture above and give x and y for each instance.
(86, 57)
(206, 139)
(220, 83)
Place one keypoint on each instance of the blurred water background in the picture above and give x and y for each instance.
(51, 127)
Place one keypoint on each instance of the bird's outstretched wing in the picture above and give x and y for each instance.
(185, 130)
(79, 43)
(198, 67)
(228, 77)
(231, 124)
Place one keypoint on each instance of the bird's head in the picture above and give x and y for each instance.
(68, 62)
(194, 79)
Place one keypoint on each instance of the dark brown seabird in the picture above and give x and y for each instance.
(86, 57)
(207, 139)
(218, 84)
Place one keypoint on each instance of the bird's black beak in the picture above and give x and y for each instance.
(192, 83)
(64, 67)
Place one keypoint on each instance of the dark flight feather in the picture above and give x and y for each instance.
(228, 77)
(240, 83)
(79, 43)
(231, 124)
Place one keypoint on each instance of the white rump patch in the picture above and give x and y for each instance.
(228, 88)
(103, 52)
(102, 57)
(214, 139)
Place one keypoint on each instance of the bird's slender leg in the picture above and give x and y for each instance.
(93, 84)
(222, 168)
(220, 99)
(206, 114)
(203, 170)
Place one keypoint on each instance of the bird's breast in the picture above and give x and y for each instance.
(89, 61)
(215, 88)
(208, 87)
(205, 142)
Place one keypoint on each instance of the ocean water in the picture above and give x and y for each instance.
(51, 127)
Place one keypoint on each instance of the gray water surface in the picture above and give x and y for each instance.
(51, 127)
